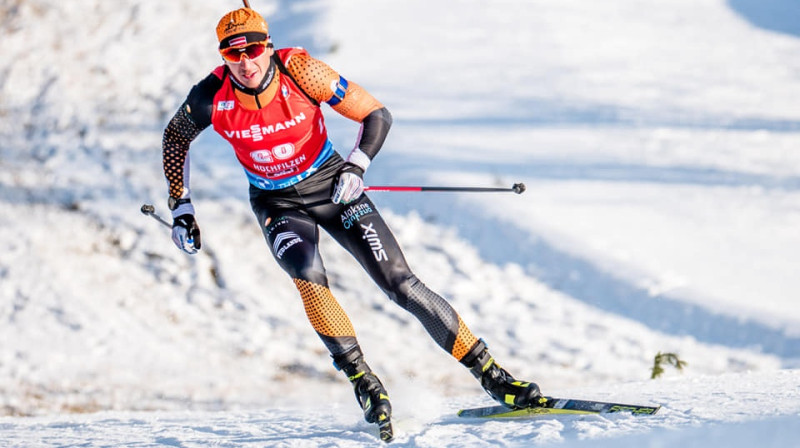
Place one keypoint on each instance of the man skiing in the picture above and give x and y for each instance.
(266, 104)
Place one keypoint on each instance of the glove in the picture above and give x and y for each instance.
(349, 184)
(186, 234)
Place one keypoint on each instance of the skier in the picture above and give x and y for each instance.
(266, 104)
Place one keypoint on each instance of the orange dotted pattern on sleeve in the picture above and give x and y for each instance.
(465, 340)
(312, 75)
(316, 77)
(324, 312)
(177, 137)
(357, 104)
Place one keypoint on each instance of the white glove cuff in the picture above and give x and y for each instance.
(359, 158)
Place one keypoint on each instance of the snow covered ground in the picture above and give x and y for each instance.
(659, 145)
(753, 409)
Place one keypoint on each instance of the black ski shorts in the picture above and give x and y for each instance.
(290, 220)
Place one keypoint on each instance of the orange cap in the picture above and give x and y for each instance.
(241, 27)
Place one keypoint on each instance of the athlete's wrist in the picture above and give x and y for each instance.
(359, 158)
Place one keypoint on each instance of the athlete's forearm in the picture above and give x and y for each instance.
(178, 135)
(374, 130)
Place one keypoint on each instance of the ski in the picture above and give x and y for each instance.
(558, 406)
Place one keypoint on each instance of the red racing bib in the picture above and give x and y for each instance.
(278, 145)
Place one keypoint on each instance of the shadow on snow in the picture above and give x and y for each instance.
(580, 278)
(594, 286)
(782, 16)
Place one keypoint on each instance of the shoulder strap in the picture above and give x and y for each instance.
(220, 72)
(284, 71)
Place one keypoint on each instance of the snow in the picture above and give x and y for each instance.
(697, 413)
(658, 142)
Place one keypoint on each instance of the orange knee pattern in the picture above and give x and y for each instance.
(465, 340)
(323, 311)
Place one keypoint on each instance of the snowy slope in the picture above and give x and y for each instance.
(697, 413)
(658, 141)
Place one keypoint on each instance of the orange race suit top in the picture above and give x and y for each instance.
(276, 130)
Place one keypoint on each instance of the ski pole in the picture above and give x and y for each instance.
(149, 210)
(516, 188)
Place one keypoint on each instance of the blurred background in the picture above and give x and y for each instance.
(658, 142)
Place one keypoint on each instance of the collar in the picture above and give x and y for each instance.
(268, 77)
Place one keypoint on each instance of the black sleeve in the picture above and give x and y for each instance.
(376, 128)
(192, 117)
(178, 135)
(200, 102)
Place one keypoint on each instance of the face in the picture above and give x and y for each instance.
(249, 72)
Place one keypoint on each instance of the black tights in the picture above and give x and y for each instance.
(290, 219)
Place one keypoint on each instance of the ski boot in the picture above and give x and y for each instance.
(369, 390)
(498, 383)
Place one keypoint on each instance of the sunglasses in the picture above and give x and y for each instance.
(251, 51)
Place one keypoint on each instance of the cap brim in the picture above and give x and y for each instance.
(242, 40)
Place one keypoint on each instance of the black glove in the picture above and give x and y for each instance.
(349, 184)
(186, 233)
